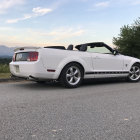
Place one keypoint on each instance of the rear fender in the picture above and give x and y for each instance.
(67, 61)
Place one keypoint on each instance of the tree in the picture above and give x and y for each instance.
(128, 41)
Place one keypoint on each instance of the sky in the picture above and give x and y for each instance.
(64, 22)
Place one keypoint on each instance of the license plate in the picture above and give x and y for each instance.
(17, 68)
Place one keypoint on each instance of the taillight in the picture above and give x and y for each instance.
(14, 57)
(33, 56)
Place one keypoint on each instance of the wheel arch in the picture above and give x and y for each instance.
(73, 62)
(137, 63)
(134, 64)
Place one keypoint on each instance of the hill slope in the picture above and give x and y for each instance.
(6, 51)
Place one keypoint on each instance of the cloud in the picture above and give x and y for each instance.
(102, 4)
(40, 11)
(35, 13)
(19, 19)
(6, 4)
(62, 33)
(117, 3)
(113, 3)
(33, 37)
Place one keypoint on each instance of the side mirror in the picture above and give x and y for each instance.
(115, 52)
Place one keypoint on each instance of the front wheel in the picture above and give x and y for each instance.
(134, 74)
(72, 75)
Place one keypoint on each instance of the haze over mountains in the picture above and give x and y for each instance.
(6, 51)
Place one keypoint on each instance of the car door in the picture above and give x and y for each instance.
(104, 61)
(107, 62)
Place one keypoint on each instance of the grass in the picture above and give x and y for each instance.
(4, 75)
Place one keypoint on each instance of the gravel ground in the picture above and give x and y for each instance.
(95, 111)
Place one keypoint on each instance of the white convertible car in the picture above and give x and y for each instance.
(70, 66)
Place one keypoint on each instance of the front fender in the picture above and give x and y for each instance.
(133, 61)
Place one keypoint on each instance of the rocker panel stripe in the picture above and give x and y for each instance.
(108, 72)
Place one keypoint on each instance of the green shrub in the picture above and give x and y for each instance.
(5, 60)
(4, 65)
(4, 68)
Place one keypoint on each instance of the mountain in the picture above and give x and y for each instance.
(6, 51)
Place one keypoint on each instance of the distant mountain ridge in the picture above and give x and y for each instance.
(6, 51)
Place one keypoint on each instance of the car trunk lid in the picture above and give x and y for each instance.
(26, 54)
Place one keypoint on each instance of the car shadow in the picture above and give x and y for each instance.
(91, 82)
(57, 85)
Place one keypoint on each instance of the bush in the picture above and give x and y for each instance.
(5, 60)
(4, 65)
(4, 68)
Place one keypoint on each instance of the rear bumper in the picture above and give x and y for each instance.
(31, 70)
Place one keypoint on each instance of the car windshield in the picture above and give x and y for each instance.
(95, 49)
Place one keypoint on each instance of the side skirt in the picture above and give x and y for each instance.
(106, 74)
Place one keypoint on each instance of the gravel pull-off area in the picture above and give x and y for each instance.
(95, 111)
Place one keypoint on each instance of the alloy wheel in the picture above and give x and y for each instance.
(73, 75)
(134, 73)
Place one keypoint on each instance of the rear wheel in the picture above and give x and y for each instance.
(72, 75)
(134, 74)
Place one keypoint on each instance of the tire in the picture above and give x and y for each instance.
(72, 75)
(134, 74)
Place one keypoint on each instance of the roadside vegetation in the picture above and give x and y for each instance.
(5, 75)
(128, 41)
(4, 67)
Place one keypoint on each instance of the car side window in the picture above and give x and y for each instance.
(102, 50)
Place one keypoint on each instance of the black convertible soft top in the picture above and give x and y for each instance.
(56, 47)
(83, 47)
